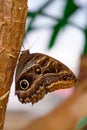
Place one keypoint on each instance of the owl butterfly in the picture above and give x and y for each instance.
(38, 74)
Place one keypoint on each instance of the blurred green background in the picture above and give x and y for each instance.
(70, 9)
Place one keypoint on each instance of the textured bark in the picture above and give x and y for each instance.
(83, 68)
(83, 77)
(12, 25)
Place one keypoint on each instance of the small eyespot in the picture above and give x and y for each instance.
(64, 78)
(24, 84)
(38, 70)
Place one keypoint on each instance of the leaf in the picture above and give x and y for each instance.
(31, 14)
(70, 8)
(56, 31)
(85, 47)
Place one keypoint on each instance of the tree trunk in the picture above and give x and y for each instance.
(12, 25)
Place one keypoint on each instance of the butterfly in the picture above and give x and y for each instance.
(38, 74)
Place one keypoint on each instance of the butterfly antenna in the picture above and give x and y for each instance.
(23, 46)
(26, 39)
(27, 42)
(34, 42)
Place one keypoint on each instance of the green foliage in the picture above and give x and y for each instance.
(85, 47)
(69, 9)
(81, 124)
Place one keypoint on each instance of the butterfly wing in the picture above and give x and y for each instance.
(39, 74)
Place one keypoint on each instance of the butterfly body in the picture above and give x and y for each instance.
(37, 74)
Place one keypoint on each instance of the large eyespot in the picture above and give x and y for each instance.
(24, 84)
(38, 70)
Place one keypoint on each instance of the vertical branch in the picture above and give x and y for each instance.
(12, 25)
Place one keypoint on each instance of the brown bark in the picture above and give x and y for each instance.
(12, 24)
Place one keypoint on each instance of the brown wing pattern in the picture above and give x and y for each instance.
(37, 74)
